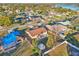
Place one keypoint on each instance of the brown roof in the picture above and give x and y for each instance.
(37, 31)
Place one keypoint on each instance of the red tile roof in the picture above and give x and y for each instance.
(37, 31)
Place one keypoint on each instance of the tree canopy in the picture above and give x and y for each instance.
(5, 20)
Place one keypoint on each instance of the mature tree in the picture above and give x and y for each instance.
(5, 20)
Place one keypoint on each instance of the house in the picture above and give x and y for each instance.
(20, 17)
(10, 40)
(57, 28)
(34, 18)
(37, 33)
(61, 30)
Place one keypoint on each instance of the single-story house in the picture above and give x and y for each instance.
(10, 39)
(33, 18)
(57, 28)
(61, 30)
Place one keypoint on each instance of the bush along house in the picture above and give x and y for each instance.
(10, 41)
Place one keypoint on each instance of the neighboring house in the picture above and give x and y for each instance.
(57, 28)
(20, 17)
(34, 18)
(61, 30)
(27, 18)
(37, 33)
(10, 40)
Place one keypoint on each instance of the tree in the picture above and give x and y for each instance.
(35, 51)
(5, 21)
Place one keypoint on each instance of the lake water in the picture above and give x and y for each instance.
(74, 7)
